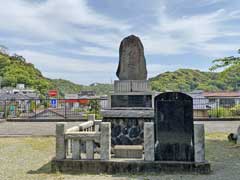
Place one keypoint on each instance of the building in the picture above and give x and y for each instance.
(82, 99)
(18, 99)
(223, 98)
(87, 93)
(201, 104)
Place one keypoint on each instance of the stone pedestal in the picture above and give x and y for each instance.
(132, 86)
(129, 107)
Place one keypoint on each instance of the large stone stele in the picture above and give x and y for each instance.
(132, 64)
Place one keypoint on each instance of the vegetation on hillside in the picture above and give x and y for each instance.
(65, 86)
(225, 62)
(14, 69)
(189, 79)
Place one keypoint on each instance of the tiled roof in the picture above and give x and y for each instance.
(222, 94)
(18, 96)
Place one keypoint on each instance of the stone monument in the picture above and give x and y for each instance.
(174, 134)
(132, 64)
(136, 120)
(131, 103)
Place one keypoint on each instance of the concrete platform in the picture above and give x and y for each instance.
(116, 166)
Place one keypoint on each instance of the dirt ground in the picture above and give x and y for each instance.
(29, 159)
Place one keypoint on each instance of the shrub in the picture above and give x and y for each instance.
(235, 110)
(220, 112)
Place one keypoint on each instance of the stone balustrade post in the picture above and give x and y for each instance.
(75, 149)
(91, 117)
(96, 128)
(89, 150)
(60, 141)
(199, 142)
(105, 142)
(149, 141)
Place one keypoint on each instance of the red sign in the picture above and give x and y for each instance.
(80, 101)
(52, 93)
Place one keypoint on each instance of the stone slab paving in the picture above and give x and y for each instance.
(48, 128)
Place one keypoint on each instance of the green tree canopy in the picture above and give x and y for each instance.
(224, 62)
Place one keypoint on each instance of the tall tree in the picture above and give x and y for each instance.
(224, 62)
(3, 50)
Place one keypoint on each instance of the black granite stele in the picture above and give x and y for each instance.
(174, 127)
(127, 131)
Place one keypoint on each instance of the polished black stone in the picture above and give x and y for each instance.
(174, 127)
(131, 101)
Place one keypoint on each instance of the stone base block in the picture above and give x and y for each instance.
(143, 113)
(128, 151)
(132, 86)
(116, 166)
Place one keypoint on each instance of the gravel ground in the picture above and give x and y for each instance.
(48, 128)
(28, 159)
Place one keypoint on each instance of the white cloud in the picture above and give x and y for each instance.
(94, 51)
(60, 20)
(178, 35)
(75, 22)
(52, 63)
(78, 70)
(74, 27)
(217, 50)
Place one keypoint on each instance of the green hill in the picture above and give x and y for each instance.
(189, 80)
(65, 86)
(15, 69)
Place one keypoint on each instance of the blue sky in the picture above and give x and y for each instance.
(78, 40)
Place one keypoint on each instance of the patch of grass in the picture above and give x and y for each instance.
(216, 136)
(29, 159)
(40, 144)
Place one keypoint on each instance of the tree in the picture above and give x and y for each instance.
(18, 57)
(224, 62)
(3, 50)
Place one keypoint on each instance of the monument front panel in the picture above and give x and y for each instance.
(174, 127)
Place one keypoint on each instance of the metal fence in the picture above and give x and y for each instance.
(62, 109)
(47, 109)
(216, 108)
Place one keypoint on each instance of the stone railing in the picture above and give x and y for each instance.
(69, 142)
